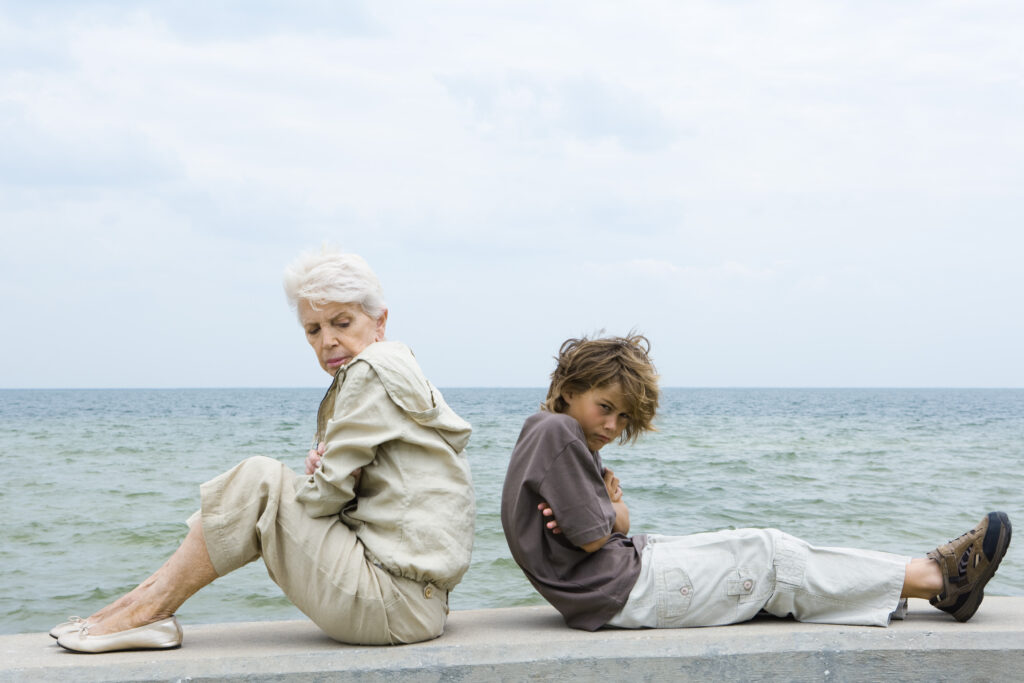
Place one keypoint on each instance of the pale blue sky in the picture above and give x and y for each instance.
(776, 193)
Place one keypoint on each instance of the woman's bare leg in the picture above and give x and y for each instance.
(159, 596)
(923, 579)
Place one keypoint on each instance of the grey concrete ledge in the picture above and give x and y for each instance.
(532, 643)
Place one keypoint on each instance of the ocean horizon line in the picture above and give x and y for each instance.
(739, 387)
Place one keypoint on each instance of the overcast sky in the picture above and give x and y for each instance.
(776, 193)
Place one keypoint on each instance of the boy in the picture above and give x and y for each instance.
(567, 525)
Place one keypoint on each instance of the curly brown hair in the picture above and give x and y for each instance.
(585, 364)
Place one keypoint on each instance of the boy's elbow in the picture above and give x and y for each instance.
(594, 546)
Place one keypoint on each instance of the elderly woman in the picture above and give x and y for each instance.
(371, 539)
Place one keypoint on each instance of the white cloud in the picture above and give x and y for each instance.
(762, 182)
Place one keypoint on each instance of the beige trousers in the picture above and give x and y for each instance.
(250, 511)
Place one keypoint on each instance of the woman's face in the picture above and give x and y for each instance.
(339, 332)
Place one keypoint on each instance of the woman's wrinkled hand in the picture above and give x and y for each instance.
(314, 456)
(552, 524)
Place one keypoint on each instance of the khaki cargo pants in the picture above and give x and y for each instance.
(250, 512)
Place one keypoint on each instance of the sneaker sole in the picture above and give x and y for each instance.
(999, 541)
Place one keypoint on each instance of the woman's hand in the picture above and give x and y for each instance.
(314, 456)
(611, 485)
(552, 524)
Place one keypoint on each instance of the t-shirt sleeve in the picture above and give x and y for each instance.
(364, 418)
(574, 488)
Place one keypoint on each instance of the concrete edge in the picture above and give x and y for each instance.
(533, 643)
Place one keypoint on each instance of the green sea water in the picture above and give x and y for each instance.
(96, 484)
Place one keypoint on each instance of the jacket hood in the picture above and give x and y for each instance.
(411, 391)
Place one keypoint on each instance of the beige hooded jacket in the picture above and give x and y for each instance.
(413, 506)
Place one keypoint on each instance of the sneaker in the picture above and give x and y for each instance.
(968, 562)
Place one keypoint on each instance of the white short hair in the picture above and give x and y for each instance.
(330, 276)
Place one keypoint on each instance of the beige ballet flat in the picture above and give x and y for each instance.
(160, 635)
(72, 624)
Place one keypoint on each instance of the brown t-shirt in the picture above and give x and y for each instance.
(551, 463)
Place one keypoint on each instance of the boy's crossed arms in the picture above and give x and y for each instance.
(621, 525)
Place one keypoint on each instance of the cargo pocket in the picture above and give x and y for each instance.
(745, 587)
(675, 593)
(790, 561)
(420, 612)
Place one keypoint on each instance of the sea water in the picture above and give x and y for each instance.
(97, 484)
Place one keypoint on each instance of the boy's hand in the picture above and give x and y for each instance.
(552, 524)
(611, 485)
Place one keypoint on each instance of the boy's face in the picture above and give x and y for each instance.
(601, 412)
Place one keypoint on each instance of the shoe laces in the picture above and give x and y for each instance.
(966, 533)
